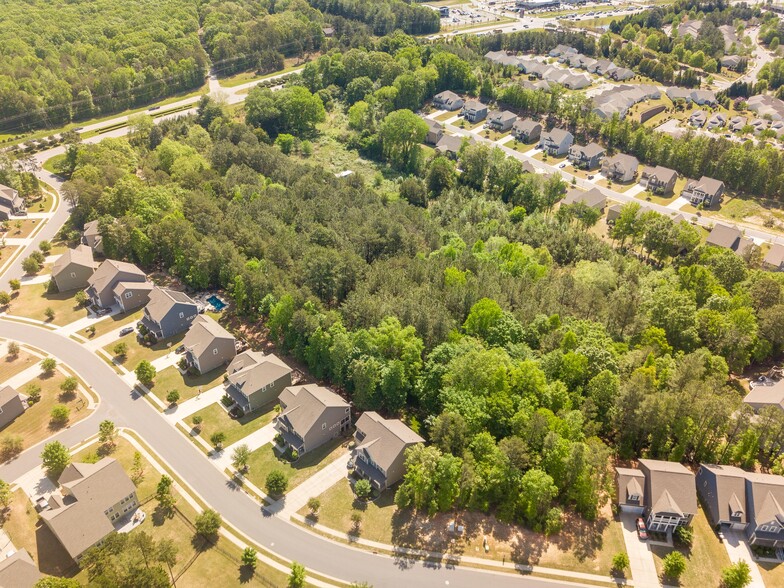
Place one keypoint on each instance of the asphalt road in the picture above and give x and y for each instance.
(120, 404)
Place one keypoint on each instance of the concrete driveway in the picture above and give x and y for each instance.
(738, 549)
(640, 556)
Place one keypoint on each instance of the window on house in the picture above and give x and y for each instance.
(323, 426)
(634, 497)
(215, 351)
(129, 294)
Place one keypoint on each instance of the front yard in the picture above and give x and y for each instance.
(19, 229)
(706, 558)
(34, 425)
(10, 365)
(137, 352)
(188, 386)
(114, 322)
(33, 300)
(581, 546)
(265, 459)
(615, 186)
(215, 420)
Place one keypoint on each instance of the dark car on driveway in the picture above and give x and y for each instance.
(126, 331)
(642, 530)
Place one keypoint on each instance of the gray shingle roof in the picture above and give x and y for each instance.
(202, 333)
(162, 300)
(385, 439)
(306, 404)
(672, 487)
(250, 371)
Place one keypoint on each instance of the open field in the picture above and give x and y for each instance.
(581, 546)
(249, 76)
(265, 459)
(33, 300)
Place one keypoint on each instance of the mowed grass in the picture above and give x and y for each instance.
(114, 322)
(137, 352)
(215, 419)
(188, 385)
(33, 300)
(34, 424)
(19, 229)
(706, 558)
(265, 459)
(10, 365)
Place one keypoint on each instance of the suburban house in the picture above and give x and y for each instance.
(473, 111)
(10, 202)
(766, 107)
(593, 198)
(526, 130)
(379, 453)
(746, 501)
(620, 99)
(701, 97)
(447, 100)
(659, 180)
(759, 124)
(731, 62)
(502, 58)
(501, 120)
(118, 282)
(435, 130)
(18, 570)
(621, 74)
(168, 312)
(706, 191)
(556, 142)
(562, 50)
(310, 416)
(91, 236)
(737, 123)
(73, 269)
(92, 497)
(698, 118)
(662, 491)
(255, 380)
(586, 156)
(450, 145)
(717, 121)
(728, 238)
(11, 406)
(774, 259)
(620, 168)
(763, 395)
(208, 345)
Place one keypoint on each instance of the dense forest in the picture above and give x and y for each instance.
(526, 349)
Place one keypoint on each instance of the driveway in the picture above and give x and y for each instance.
(640, 556)
(738, 550)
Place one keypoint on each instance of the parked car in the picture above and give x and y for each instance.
(126, 331)
(562, 164)
(642, 530)
(591, 177)
(180, 349)
(103, 311)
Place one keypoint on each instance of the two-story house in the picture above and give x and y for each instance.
(447, 100)
(118, 282)
(774, 259)
(593, 198)
(659, 180)
(586, 156)
(473, 111)
(526, 130)
(380, 446)
(254, 380)
(91, 236)
(310, 416)
(620, 168)
(11, 406)
(18, 570)
(72, 270)
(208, 346)
(10, 202)
(556, 142)
(92, 497)
(435, 130)
(728, 237)
(706, 192)
(501, 120)
(168, 313)
(663, 491)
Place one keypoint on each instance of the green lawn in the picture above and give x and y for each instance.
(265, 459)
(615, 185)
(656, 199)
(250, 76)
(19, 229)
(550, 159)
(34, 425)
(446, 115)
(706, 558)
(216, 419)
(51, 164)
(31, 301)
(114, 322)
(188, 386)
(138, 352)
(12, 365)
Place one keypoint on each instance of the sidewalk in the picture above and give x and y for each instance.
(24, 376)
(316, 485)
(82, 323)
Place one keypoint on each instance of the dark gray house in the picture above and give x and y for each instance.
(168, 312)
(10, 202)
(11, 406)
(208, 345)
(311, 416)
(379, 454)
(586, 156)
(255, 380)
(526, 130)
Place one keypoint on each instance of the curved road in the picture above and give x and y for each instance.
(120, 404)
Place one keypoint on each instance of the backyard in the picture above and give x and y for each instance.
(34, 425)
(33, 300)
(265, 459)
(216, 419)
(188, 385)
(581, 546)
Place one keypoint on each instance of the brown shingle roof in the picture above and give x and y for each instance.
(385, 439)
(306, 404)
(671, 487)
(81, 255)
(162, 300)
(724, 236)
(250, 371)
(19, 571)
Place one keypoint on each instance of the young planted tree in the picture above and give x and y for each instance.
(674, 564)
(164, 494)
(297, 576)
(362, 489)
(314, 504)
(197, 421)
(49, 313)
(120, 349)
(5, 298)
(59, 415)
(145, 372)
(137, 470)
(13, 348)
(69, 386)
(5, 494)
(208, 523)
(48, 365)
(240, 458)
(217, 439)
(173, 397)
(107, 433)
(249, 558)
(738, 575)
(55, 457)
(276, 483)
(620, 562)
(15, 284)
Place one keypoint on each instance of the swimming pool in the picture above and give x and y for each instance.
(216, 302)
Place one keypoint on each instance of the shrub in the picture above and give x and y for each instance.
(554, 521)
(81, 298)
(276, 483)
(60, 414)
(172, 397)
(145, 372)
(69, 385)
(674, 564)
(249, 558)
(294, 455)
(620, 562)
(737, 575)
(356, 520)
(45, 247)
(49, 313)
(31, 266)
(5, 298)
(362, 489)
(197, 421)
(13, 349)
(314, 504)
(15, 284)
(684, 536)
(297, 576)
